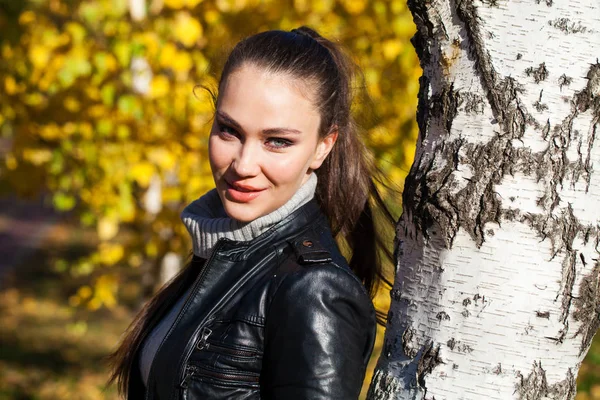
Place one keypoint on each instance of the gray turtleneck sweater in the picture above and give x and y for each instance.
(207, 222)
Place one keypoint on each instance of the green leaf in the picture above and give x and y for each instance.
(63, 201)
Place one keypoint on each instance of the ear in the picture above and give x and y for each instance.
(323, 149)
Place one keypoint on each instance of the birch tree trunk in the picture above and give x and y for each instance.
(497, 284)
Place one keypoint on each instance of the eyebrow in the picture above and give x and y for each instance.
(269, 131)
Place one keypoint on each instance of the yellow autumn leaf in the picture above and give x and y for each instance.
(105, 290)
(354, 7)
(167, 54)
(26, 17)
(72, 104)
(322, 6)
(211, 17)
(37, 156)
(84, 292)
(192, 3)
(181, 64)
(187, 29)
(110, 253)
(142, 173)
(391, 48)
(301, 6)
(11, 162)
(176, 4)
(151, 249)
(50, 132)
(96, 111)
(161, 157)
(107, 228)
(150, 40)
(10, 85)
(39, 56)
(86, 130)
(159, 86)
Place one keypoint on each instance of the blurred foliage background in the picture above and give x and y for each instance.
(103, 142)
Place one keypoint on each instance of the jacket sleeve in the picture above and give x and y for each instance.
(319, 336)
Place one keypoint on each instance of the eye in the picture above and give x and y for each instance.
(278, 143)
(226, 132)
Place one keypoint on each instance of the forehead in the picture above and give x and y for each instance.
(258, 99)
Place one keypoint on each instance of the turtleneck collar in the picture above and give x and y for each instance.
(207, 222)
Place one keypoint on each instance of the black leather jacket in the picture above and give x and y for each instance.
(278, 317)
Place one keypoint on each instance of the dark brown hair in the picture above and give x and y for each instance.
(346, 187)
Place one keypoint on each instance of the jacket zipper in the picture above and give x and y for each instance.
(193, 370)
(202, 324)
(205, 344)
(204, 334)
(193, 292)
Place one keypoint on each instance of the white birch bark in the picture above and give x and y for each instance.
(496, 293)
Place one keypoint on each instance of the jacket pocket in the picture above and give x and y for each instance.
(232, 351)
(221, 377)
(210, 351)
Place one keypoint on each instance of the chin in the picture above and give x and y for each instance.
(241, 212)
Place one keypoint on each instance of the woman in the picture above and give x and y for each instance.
(268, 307)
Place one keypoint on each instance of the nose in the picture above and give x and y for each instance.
(247, 161)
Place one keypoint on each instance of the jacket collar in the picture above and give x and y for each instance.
(291, 226)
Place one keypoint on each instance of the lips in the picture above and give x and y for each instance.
(241, 193)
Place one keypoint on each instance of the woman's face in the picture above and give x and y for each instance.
(264, 141)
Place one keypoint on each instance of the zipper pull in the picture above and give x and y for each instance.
(188, 373)
(204, 334)
(186, 379)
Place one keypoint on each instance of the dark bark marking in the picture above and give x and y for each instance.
(514, 114)
(587, 308)
(430, 359)
(451, 343)
(536, 387)
(564, 80)
(543, 314)
(589, 97)
(519, 56)
(462, 347)
(565, 389)
(539, 106)
(548, 2)
(473, 103)
(444, 105)
(409, 343)
(442, 316)
(382, 385)
(561, 137)
(490, 3)
(565, 25)
(539, 74)
(423, 110)
(425, 28)
(497, 369)
(395, 294)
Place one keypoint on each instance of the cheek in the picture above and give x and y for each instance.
(218, 155)
(289, 169)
